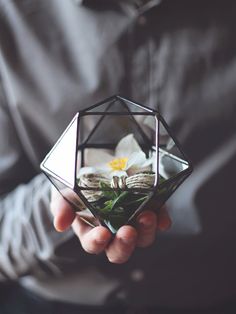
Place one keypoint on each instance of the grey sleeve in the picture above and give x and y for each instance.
(28, 240)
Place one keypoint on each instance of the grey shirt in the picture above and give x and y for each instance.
(57, 57)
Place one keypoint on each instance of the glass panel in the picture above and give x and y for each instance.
(118, 104)
(171, 159)
(71, 196)
(168, 187)
(61, 160)
(76, 201)
(117, 173)
(110, 129)
(173, 167)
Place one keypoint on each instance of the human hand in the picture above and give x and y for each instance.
(95, 240)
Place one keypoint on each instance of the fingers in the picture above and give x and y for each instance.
(99, 239)
(146, 226)
(93, 240)
(123, 245)
(163, 220)
(148, 223)
(62, 212)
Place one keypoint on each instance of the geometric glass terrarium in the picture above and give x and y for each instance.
(114, 160)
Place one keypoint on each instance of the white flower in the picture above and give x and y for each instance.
(127, 160)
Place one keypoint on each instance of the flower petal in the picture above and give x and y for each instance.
(127, 146)
(118, 173)
(136, 159)
(138, 163)
(85, 170)
(96, 157)
(101, 169)
(149, 161)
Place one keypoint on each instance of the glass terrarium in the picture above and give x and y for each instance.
(114, 160)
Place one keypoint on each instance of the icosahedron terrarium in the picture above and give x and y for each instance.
(116, 159)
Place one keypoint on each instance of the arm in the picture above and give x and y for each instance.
(27, 237)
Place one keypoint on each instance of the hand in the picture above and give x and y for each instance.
(95, 240)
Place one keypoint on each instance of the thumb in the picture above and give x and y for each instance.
(62, 212)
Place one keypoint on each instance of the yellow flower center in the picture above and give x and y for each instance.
(118, 164)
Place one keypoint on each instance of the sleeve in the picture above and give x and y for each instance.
(28, 240)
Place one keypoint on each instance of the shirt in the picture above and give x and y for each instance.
(58, 57)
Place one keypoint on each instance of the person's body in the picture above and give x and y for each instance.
(59, 57)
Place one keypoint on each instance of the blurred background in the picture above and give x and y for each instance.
(177, 57)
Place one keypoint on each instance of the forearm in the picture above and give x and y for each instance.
(27, 237)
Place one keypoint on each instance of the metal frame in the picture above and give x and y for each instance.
(154, 192)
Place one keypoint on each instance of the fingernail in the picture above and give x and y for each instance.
(55, 224)
(101, 241)
(128, 241)
(165, 224)
(146, 223)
